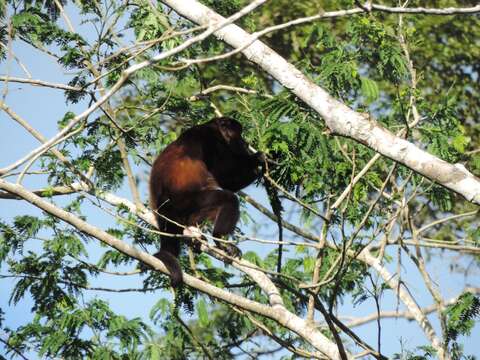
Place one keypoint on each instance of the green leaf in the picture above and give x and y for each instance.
(369, 89)
(202, 313)
(476, 162)
(309, 264)
(155, 351)
(459, 142)
(159, 310)
(461, 315)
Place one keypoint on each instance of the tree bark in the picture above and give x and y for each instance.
(339, 118)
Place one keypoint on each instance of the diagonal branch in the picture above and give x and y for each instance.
(405, 297)
(277, 313)
(339, 118)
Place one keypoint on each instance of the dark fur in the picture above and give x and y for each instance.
(194, 179)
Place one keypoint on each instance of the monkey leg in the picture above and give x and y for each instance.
(222, 208)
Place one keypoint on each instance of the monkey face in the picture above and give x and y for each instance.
(231, 132)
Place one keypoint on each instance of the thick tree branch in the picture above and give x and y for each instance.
(339, 118)
(276, 313)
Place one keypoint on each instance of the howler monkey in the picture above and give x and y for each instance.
(194, 179)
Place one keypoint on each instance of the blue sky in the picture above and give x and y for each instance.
(43, 107)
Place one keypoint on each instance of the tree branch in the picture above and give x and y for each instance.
(405, 297)
(429, 11)
(215, 25)
(40, 83)
(277, 313)
(403, 314)
(339, 118)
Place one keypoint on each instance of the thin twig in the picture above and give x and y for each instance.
(14, 349)
(198, 342)
(41, 83)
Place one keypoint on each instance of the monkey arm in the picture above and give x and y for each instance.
(243, 170)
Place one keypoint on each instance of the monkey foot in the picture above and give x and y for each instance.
(192, 231)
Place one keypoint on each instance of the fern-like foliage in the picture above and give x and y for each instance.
(461, 316)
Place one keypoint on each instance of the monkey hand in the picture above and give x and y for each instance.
(194, 234)
(192, 231)
(261, 160)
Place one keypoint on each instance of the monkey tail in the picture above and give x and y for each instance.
(172, 265)
(168, 254)
(170, 246)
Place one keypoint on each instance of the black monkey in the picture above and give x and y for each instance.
(194, 179)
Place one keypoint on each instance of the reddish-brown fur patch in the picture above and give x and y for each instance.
(186, 185)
